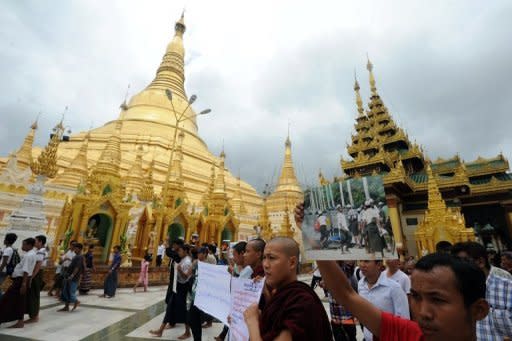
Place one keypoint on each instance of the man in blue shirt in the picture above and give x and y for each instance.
(385, 294)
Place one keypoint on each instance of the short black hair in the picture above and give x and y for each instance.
(117, 247)
(474, 250)
(147, 258)
(212, 248)
(507, 254)
(78, 246)
(11, 238)
(178, 242)
(41, 238)
(470, 279)
(30, 241)
(193, 253)
(240, 247)
(444, 246)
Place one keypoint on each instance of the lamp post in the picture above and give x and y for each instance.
(179, 118)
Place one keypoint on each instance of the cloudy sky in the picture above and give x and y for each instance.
(443, 69)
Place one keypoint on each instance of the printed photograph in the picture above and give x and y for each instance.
(348, 220)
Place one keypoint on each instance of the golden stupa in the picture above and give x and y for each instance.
(145, 176)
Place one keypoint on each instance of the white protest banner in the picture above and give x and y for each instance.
(212, 292)
(244, 292)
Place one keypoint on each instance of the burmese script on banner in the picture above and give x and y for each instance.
(244, 292)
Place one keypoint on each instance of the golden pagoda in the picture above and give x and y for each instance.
(264, 222)
(287, 192)
(286, 229)
(440, 223)
(24, 153)
(480, 191)
(122, 174)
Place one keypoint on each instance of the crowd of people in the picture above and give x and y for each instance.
(73, 273)
(367, 226)
(458, 293)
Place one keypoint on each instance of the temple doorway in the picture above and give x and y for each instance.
(175, 231)
(227, 233)
(99, 231)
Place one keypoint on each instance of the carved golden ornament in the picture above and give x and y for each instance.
(46, 164)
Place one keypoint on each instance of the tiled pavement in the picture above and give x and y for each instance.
(127, 316)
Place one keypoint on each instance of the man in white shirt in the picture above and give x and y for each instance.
(7, 252)
(36, 281)
(160, 253)
(394, 273)
(12, 304)
(382, 292)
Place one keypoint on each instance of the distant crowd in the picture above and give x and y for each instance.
(461, 292)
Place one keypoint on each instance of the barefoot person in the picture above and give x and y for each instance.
(86, 280)
(447, 299)
(292, 311)
(36, 281)
(110, 284)
(12, 303)
(71, 278)
(143, 275)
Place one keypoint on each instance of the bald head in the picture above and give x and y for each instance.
(287, 245)
(257, 244)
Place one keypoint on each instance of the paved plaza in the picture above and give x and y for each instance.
(127, 316)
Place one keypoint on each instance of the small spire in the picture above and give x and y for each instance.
(180, 24)
(46, 163)
(369, 66)
(222, 153)
(359, 101)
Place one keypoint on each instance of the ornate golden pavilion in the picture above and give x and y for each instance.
(476, 193)
(116, 184)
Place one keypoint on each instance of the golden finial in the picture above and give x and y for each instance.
(180, 24)
(359, 101)
(222, 153)
(46, 163)
(369, 66)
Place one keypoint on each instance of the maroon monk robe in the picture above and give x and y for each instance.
(295, 307)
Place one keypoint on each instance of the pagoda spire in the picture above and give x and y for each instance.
(46, 163)
(359, 101)
(287, 180)
(435, 200)
(373, 87)
(24, 154)
(110, 159)
(77, 169)
(220, 181)
(170, 74)
(286, 229)
(135, 177)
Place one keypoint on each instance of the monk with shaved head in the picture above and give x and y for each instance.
(291, 310)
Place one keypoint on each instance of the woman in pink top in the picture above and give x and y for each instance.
(143, 276)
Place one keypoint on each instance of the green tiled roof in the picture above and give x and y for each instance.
(445, 164)
(487, 179)
(493, 164)
(419, 178)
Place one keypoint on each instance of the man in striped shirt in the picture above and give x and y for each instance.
(498, 323)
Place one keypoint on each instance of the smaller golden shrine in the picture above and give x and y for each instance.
(441, 223)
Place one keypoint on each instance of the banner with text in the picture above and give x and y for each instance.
(244, 292)
(213, 291)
